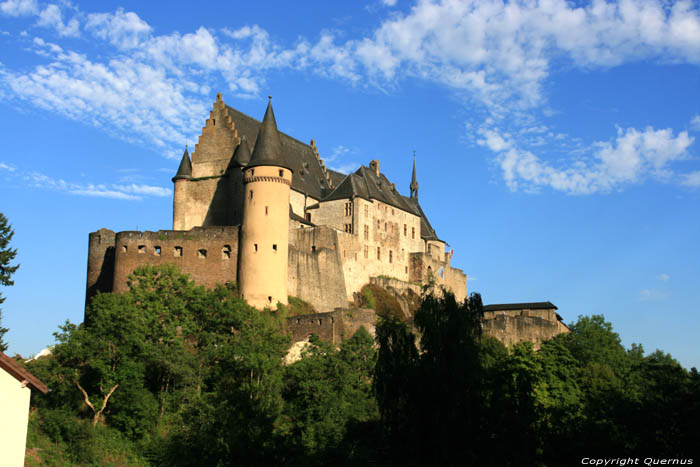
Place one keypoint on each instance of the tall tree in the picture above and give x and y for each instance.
(7, 254)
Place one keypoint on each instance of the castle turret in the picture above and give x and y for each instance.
(181, 181)
(414, 180)
(234, 171)
(262, 267)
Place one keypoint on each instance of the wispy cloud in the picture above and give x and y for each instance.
(691, 179)
(695, 123)
(338, 160)
(131, 192)
(633, 157)
(144, 87)
(19, 7)
(651, 294)
(664, 277)
(9, 168)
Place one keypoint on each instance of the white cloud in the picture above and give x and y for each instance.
(19, 7)
(691, 179)
(338, 160)
(500, 54)
(695, 123)
(9, 168)
(147, 190)
(52, 17)
(131, 192)
(664, 277)
(651, 294)
(122, 29)
(503, 51)
(633, 156)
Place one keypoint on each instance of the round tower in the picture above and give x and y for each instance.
(264, 243)
(181, 181)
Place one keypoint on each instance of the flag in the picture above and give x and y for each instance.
(441, 272)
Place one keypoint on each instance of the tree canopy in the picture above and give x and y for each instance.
(170, 373)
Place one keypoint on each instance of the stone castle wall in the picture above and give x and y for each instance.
(424, 267)
(315, 271)
(333, 326)
(208, 255)
(513, 326)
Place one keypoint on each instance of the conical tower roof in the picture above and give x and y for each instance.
(268, 147)
(241, 156)
(185, 169)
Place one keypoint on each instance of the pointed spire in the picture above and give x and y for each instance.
(241, 156)
(185, 169)
(268, 146)
(414, 180)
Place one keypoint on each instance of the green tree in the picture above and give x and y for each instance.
(327, 393)
(430, 401)
(7, 254)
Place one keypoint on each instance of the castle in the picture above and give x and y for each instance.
(260, 208)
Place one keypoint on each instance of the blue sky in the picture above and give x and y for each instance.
(556, 142)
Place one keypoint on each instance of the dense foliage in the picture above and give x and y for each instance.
(172, 374)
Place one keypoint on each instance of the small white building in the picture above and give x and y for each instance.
(15, 384)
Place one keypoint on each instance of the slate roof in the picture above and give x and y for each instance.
(365, 183)
(185, 169)
(309, 178)
(20, 374)
(268, 146)
(521, 306)
(241, 155)
(308, 175)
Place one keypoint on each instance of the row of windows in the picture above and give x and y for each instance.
(393, 229)
(379, 254)
(281, 173)
(178, 251)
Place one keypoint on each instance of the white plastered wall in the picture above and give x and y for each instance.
(14, 414)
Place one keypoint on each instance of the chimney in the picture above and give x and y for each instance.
(374, 165)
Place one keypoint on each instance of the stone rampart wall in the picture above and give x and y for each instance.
(333, 326)
(208, 255)
(315, 271)
(512, 326)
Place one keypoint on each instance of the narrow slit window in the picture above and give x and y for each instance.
(124, 248)
(255, 247)
(366, 252)
(391, 256)
(281, 173)
(226, 252)
(250, 194)
(313, 248)
(379, 253)
(274, 247)
(269, 299)
(307, 217)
